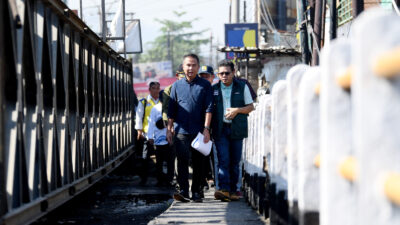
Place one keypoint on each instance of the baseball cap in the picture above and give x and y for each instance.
(206, 69)
(180, 71)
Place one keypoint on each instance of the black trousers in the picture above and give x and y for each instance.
(184, 152)
(143, 151)
(165, 153)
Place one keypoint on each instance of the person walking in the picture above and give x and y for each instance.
(207, 73)
(144, 147)
(232, 104)
(190, 107)
(157, 136)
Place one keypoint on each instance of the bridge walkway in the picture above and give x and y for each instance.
(210, 211)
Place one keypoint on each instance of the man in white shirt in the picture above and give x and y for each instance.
(144, 148)
(157, 135)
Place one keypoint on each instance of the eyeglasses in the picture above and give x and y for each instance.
(224, 73)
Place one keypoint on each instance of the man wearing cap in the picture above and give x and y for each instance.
(232, 104)
(190, 107)
(207, 72)
(145, 148)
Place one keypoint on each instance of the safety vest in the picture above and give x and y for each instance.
(147, 105)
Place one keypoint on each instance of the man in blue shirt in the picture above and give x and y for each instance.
(232, 104)
(190, 107)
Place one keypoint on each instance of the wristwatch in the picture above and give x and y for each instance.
(207, 127)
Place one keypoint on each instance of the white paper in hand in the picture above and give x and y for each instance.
(199, 145)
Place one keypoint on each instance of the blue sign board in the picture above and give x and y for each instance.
(241, 35)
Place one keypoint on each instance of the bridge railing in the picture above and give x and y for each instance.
(334, 143)
(66, 108)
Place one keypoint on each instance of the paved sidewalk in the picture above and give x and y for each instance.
(210, 211)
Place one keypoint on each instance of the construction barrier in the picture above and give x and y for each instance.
(333, 155)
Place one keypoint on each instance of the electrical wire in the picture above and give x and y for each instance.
(266, 16)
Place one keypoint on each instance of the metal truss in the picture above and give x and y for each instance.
(66, 115)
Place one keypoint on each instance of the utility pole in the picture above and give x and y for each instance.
(255, 13)
(244, 11)
(258, 19)
(235, 11)
(80, 9)
(211, 50)
(333, 12)
(305, 52)
(169, 52)
(357, 7)
(230, 11)
(317, 31)
(103, 20)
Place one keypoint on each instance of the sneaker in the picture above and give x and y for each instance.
(234, 197)
(181, 196)
(196, 197)
(222, 195)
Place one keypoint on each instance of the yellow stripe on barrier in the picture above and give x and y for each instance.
(347, 168)
(388, 64)
(392, 188)
(317, 89)
(317, 161)
(344, 80)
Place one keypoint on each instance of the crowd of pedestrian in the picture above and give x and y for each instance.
(168, 121)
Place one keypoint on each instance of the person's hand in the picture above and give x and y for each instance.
(170, 134)
(231, 113)
(151, 141)
(206, 134)
(139, 134)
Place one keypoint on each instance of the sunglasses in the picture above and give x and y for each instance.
(224, 73)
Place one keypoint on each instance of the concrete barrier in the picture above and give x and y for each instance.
(334, 133)
(293, 80)
(338, 195)
(278, 187)
(308, 147)
(376, 110)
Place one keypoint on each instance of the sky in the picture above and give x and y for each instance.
(211, 14)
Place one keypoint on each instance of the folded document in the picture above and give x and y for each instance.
(199, 145)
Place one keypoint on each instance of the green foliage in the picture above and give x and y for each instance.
(181, 41)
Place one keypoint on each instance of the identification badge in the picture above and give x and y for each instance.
(215, 92)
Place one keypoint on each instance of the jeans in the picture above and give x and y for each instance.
(229, 153)
(184, 152)
(165, 153)
(215, 157)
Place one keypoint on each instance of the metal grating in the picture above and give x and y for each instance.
(66, 109)
(344, 12)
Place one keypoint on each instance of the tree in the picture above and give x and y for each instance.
(174, 42)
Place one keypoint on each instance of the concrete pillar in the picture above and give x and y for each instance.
(376, 110)
(338, 195)
(293, 78)
(308, 147)
(278, 212)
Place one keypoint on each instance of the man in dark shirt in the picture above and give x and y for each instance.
(190, 107)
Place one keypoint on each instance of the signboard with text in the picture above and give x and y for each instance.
(241, 35)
